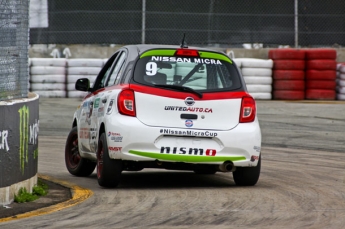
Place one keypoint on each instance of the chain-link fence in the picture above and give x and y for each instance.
(305, 23)
(206, 22)
(14, 42)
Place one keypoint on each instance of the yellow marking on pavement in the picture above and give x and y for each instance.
(79, 194)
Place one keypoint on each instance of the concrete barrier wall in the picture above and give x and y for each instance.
(19, 126)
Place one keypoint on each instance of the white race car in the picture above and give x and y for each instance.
(169, 107)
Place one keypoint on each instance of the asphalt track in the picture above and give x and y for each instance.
(302, 183)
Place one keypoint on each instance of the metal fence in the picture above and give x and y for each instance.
(231, 23)
(14, 42)
(206, 22)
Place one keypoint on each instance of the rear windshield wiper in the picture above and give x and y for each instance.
(180, 88)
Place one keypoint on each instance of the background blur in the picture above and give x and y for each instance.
(206, 22)
(95, 29)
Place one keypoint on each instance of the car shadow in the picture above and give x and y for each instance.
(172, 180)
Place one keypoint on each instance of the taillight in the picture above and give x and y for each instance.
(187, 52)
(126, 102)
(248, 110)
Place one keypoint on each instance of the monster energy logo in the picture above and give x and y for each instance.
(24, 136)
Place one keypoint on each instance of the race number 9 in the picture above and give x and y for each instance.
(151, 68)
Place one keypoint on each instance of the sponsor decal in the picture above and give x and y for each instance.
(23, 136)
(86, 104)
(110, 106)
(186, 109)
(186, 157)
(189, 101)
(96, 105)
(116, 137)
(88, 133)
(24, 132)
(88, 119)
(188, 123)
(189, 133)
(3, 140)
(186, 60)
(100, 111)
(90, 113)
(257, 148)
(254, 158)
(188, 151)
(28, 135)
(115, 149)
(93, 132)
(84, 133)
(34, 128)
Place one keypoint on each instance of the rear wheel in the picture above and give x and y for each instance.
(76, 165)
(108, 170)
(247, 176)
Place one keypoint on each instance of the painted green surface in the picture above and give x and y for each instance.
(158, 53)
(96, 103)
(24, 136)
(202, 54)
(187, 158)
(35, 153)
(216, 56)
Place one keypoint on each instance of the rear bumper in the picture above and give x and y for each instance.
(129, 139)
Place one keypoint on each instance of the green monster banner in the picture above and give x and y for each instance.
(19, 126)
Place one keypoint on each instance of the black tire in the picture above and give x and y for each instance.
(108, 170)
(75, 164)
(247, 176)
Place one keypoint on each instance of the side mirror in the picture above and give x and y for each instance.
(82, 84)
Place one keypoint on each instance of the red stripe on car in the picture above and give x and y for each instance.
(182, 95)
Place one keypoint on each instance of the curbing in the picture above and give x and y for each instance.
(79, 194)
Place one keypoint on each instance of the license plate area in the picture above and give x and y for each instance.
(187, 146)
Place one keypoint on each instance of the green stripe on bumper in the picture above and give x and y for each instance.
(187, 158)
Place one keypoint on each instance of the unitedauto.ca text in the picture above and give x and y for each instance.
(189, 133)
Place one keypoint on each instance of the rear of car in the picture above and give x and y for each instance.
(182, 108)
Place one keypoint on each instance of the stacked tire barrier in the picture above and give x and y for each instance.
(288, 74)
(257, 74)
(321, 74)
(81, 68)
(340, 81)
(238, 63)
(48, 77)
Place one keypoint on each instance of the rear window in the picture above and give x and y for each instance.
(200, 74)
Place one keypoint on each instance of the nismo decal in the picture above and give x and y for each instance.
(187, 158)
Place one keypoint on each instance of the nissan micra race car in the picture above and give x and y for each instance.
(168, 107)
